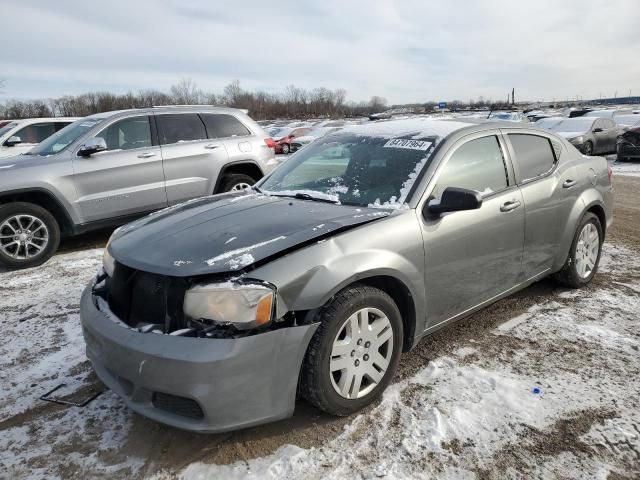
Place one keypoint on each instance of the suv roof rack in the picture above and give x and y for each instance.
(182, 106)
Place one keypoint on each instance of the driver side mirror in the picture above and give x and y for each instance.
(453, 200)
(598, 130)
(14, 140)
(93, 145)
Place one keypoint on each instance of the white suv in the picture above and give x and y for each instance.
(20, 136)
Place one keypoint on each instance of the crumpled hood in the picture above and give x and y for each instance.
(229, 232)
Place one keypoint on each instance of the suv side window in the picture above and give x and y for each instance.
(534, 154)
(222, 126)
(476, 165)
(180, 127)
(127, 134)
(36, 133)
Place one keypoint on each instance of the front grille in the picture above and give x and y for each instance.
(138, 297)
(185, 407)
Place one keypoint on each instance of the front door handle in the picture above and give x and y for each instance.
(568, 183)
(147, 155)
(211, 146)
(508, 206)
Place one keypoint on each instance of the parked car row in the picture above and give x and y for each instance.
(599, 131)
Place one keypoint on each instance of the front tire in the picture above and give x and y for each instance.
(236, 182)
(354, 354)
(588, 148)
(584, 256)
(285, 148)
(29, 235)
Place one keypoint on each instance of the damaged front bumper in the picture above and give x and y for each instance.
(198, 384)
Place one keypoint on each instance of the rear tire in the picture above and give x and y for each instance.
(584, 256)
(29, 235)
(236, 182)
(360, 336)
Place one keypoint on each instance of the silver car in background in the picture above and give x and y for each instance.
(215, 314)
(20, 136)
(112, 167)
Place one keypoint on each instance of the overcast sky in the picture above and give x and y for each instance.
(409, 51)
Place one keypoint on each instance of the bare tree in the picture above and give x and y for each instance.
(186, 92)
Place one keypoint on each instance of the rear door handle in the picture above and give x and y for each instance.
(147, 155)
(568, 183)
(508, 206)
(211, 146)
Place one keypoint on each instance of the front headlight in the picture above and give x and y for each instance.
(579, 139)
(242, 305)
(108, 262)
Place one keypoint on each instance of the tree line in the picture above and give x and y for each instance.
(292, 102)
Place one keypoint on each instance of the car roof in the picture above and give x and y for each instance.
(27, 121)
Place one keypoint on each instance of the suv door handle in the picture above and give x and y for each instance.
(568, 183)
(147, 155)
(508, 206)
(211, 146)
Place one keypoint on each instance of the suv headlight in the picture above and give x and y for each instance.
(578, 139)
(242, 305)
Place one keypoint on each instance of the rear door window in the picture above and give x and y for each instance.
(476, 165)
(534, 155)
(180, 127)
(223, 126)
(127, 134)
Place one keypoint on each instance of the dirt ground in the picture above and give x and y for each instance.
(166, 451)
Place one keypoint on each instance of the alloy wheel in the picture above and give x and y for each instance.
(361, 353)
(587, 250)
(240, 186)
(23, 237)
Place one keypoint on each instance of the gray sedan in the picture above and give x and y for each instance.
(218, 313)
(590, 135)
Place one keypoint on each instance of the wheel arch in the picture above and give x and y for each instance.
(45, 199)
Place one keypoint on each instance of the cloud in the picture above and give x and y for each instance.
(407, 51)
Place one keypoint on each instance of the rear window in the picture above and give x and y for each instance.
(180, 127)
(222, 126)
(534, 154)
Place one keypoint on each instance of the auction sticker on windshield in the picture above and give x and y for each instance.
(407, 143)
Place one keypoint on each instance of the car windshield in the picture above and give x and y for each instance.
(59, 141)
(353, 169)
(574, 125)
(6, 128)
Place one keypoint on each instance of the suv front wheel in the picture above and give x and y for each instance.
(29, 235)
(235, 182)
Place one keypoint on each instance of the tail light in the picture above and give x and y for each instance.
(610, 173)
(270, 143)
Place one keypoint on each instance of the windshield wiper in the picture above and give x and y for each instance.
(303, 196)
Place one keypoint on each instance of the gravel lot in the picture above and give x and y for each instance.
(541, 384)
